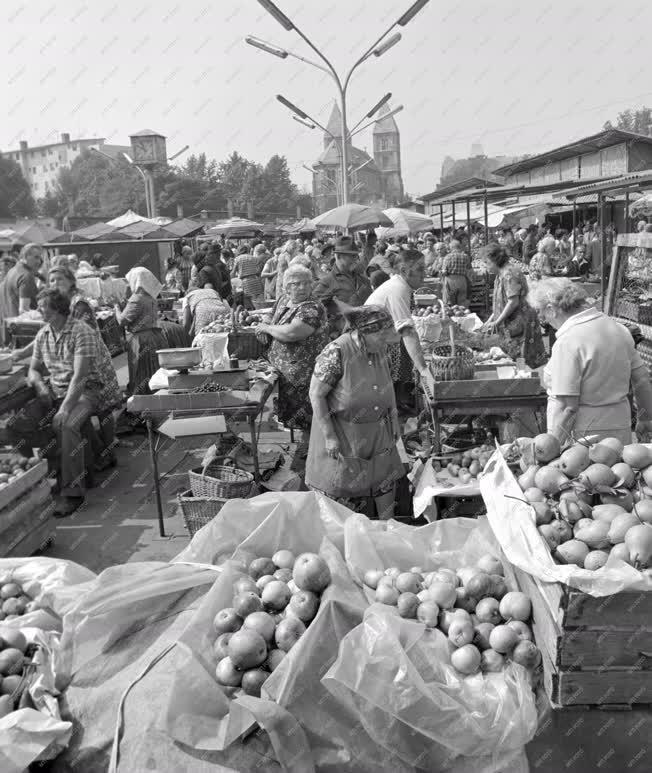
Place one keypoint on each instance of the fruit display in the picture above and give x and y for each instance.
(486, 623)
(16, 671)
(270, 611)
(457, 311)
(465, 466)
(590, 500)
(13, 465)
(494, 356)
(426, 311)
(15, 601)
(221, 324)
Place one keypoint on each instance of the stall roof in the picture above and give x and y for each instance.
(501, 192)
(184, 227)
(469, 184)
(146, 230)
(594, 142)
(630, 181)
(87, 234)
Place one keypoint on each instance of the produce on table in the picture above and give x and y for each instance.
(590, 500)
(15, 601)
(267, 617)
(13, 465)
(485, 622)
(228, 320)
(15, 671)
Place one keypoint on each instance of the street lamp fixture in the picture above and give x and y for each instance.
(291, 107)
(377, 120)
(179, 152)
(303, 123)
(277, 13)
(411, 12)
(389, 43)
(378, 105)
(377, 48)
(263, 46)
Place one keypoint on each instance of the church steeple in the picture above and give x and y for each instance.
(334, 125)
(387, 155)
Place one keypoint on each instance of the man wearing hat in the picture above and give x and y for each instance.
(345, 282)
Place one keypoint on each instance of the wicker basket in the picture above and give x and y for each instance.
(221, 482)
(245, 345)
(198, 511)
(165, 304)
(445, 367)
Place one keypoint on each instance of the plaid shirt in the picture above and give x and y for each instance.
(456, 264)
(57, 353)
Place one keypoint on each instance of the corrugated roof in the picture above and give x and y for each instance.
(603, 139)
(632, 180)
(469, 184)
(501, 192)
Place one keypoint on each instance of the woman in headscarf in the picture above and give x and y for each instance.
(288, 251)
(144, 334)
(298, 332)
(352, 453)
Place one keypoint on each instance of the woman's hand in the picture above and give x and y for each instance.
(332, 446)
(644, 431)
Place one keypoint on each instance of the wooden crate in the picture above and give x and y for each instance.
(28, 480)
(596, 651)
(487, 387)
(32, 511)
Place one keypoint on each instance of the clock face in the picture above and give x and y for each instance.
(143, 149)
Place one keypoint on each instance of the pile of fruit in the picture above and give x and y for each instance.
(457, 311)
(485, 622)
(426, 311)
(14, 465)
(15, 671)
(590, 501)
(493, 355)
(271, 610)
(221, 324)
(467, 465)
(227, 321)
(209, 386)
(14, 600)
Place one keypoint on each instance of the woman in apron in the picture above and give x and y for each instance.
(352, 453)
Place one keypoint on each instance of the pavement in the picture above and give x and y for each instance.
(118, 522)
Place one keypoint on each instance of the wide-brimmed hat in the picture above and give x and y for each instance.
(345, 244)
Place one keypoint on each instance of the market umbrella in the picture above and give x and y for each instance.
(303, 226)
(407, 223)
(41, 233)
(184, 227)
(352, 217)
(128, 218)
(236, 228)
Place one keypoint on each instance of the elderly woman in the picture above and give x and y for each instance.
(288, 251)
(592, 364)
(352, 452)
(512, 317)
(144, 334)
(268, 275)
(298, 332)
(541, 262)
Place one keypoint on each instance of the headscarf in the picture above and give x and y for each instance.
(260, 250)
(85, 269)
(60, 261)
(366, 319)
(141, 278)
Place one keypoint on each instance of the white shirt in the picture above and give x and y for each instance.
(394, 295)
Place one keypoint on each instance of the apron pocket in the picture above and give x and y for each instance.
(357, 475)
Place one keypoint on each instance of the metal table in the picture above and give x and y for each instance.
(149, 409)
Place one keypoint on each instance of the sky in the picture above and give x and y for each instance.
(516, 77)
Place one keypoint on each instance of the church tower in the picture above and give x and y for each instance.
(334, 125)
(387, 155)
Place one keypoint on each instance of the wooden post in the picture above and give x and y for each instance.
(626, 214)
(603, 250)
(574, 225)
(468, 225)
(486, 220)
(441, 221)
(453, 217)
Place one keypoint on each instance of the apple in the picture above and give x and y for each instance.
(288, 632)
(372, 577)
(448, 615)
(246, 603)
(407, 605)
(522, 630)
(245, 584)
(482, 631)
(284, 575)
(227, 621)
(259, 567)
(461, 632)
(446, 575)
(464, 600)
(526, 654)
(253, 680)
(492, 661)
(303, 605)
(262, 623)
(408, 582)
(283, 559)
(227, 674)
(220, 646)
(274, 659)
(393, 572)
(276, 596)
(261, 582)
(428, 613)
(488, 611)
(490, 565)
(311, 572)
(247, 649)
(387, 594)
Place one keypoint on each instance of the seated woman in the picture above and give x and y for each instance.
(298, 332)
(144, 334)
(352, 452)
(541, 263)
(203, 305)
(592, 364)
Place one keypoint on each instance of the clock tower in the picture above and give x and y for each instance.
(148, 148)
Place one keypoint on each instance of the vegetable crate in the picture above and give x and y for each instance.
(597, 651)
(635, 310)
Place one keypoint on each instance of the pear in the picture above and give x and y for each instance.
(546, 448)
(603, 453)
(575, 460)
(526, 480)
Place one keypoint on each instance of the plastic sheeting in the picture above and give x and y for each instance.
(513, 522)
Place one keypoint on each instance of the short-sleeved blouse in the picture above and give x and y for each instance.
(298, 357)
(510, 283)
(140, 313)
(328, 365)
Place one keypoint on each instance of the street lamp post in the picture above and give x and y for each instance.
(378, 48)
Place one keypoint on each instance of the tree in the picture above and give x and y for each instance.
(200, 168)
(279, 192)
(633, 120)
(238, 183)
(15, 196)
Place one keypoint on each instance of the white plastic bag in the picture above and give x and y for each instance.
(39, 733)
(215, 349)
(513, 522)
